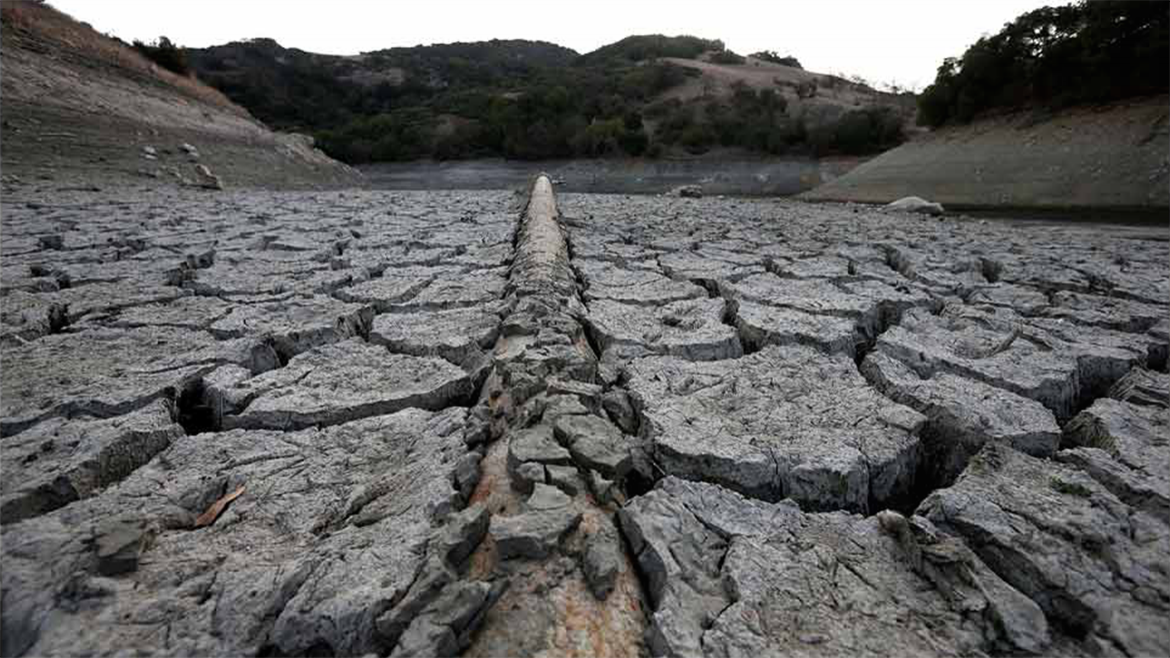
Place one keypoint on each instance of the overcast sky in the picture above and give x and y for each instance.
(883, 41)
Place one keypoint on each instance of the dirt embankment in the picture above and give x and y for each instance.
(81, 109)
(1112, 157)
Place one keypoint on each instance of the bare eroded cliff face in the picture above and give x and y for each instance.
(486, 423)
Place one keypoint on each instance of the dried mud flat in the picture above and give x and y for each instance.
(485, 423)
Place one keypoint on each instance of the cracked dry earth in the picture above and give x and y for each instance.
(490, 424)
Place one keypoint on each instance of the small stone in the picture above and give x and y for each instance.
(118, 545)
(467, 474)
(545, 497)
(564, 478)
(205, 179)
(535, 534)
(595, 443)
(462, 533)
(602, 561)
(617, 404)
(526, 475)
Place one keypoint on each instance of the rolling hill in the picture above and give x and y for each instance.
(647, 94)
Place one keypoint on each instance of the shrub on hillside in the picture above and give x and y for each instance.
(775, 58)
(727, 57)
(166, 54)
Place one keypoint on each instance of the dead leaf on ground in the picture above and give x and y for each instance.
(217, 508)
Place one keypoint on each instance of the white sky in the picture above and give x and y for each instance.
(883, 41)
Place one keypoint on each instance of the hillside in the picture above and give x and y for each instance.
(1090, 157)
(1065, 107)
(81, 109)
(644, 95)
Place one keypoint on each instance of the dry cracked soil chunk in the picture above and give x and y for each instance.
(691, 329)
(330, 531)
(1023, 359)
(963, 414)
(1096, 566)
(731, 576)
(1125, 447)
(344, 381)
(637, 287)
(458, 335)
(61, 460)
(105, 372)
(784, 422)
(537, 531)
(297, 324)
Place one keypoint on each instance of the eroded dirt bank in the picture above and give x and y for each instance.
(1110, 157)
(83, 111)
(441, 423)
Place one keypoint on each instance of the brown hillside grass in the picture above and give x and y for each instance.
(33, 25)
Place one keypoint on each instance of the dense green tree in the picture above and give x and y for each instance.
(1054, 57)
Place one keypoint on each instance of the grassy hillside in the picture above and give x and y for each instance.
(535, 100)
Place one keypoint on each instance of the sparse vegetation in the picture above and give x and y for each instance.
(727, 57)
(1055, 57)
(166, 54)
(775, 58)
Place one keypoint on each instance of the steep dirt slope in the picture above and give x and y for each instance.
(1101, 157)
(81, 109)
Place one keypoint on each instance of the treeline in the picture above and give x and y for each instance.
(561, 113)
(1056, 57)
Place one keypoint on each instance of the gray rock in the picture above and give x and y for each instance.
(467, 474)
(595, 444)
(1125, 447)
(604, 491)
(616, 403)
(526, 475)
(536, 444)
(461, 534)
(205, 179)
(445, 626)
(785, 422)
(1094, 565)
(916, 204)
(118, 544)
(602, 560)
(565, 478)
(535, 533)
(546, 497)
